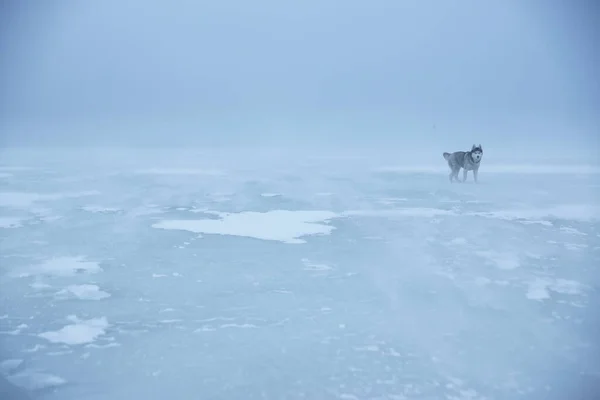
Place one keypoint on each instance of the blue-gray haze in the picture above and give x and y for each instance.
(339, 73)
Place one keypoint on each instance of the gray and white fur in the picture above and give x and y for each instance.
(467, 160)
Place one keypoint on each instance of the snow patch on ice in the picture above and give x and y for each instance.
(458, 241)
(34, 380)
(34, 349)
(500, 260)
(575, 246)
(11, 222)
(212, 328)
(62, 266)
(311, 266)
(180, 171)
(80, 332)
(99, 209)
(142, 211)
(390, 201)
(27, 199)
(84, 292)
(10, 365)
(17, 331)
(574, 212)
(42, 213)
(15, 168)
(417, 212)
(38, 285)
(572, 231)
(539, 288)
(277, 225)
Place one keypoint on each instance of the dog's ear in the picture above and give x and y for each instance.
(474, 147)
(480, 147)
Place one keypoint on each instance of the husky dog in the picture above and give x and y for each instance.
(467, 160)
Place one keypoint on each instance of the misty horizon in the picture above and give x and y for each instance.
(231, 74)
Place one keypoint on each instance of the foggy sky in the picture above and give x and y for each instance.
(271, 71)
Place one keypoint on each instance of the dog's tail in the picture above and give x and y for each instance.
(446, 156)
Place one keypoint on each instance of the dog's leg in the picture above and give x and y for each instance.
(475, 172)
(454, 174)
(464, 175)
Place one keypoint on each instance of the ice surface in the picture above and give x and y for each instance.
(188, 275)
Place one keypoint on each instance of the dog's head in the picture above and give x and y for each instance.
(477, 153)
